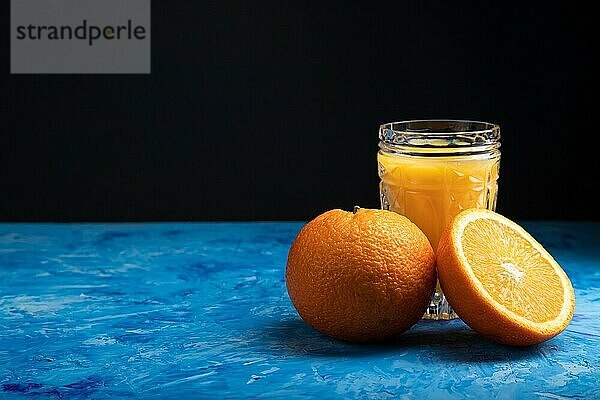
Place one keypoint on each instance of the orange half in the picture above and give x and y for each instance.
(501, 281)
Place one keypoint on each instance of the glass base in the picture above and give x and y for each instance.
(439, 308)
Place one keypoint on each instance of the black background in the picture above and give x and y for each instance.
(269, 110)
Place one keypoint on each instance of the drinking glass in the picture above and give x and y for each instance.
(430, 170)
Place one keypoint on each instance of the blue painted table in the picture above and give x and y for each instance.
(201, 310)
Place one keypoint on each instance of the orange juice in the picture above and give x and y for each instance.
(431, 190)
(430, 170)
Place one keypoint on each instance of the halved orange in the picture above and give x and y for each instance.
(501, 281)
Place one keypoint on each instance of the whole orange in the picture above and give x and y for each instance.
(361, 276)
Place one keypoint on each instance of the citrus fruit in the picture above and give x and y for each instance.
(361, 276)
(501, 281)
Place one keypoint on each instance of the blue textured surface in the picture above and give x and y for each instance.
(201, 310)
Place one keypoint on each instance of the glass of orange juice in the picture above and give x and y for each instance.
(432, 169)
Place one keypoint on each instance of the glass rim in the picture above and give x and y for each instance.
(439, 135)
(405, 126)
